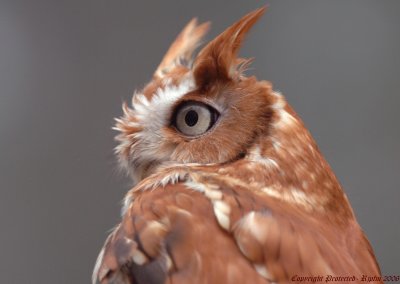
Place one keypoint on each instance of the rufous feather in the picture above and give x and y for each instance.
(218, 59)
(183, 46)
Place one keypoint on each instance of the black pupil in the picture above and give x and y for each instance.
(191, 118)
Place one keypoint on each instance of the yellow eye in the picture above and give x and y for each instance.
(193, 118)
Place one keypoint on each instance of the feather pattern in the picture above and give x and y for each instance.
(252, 200)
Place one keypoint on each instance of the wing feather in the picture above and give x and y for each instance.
(175, 234)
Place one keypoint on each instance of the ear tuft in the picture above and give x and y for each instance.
(182, 48)
(218, 59)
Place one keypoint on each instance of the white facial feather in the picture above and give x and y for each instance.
(151, 116)
(154, 114)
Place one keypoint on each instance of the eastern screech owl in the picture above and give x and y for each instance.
(230, 185)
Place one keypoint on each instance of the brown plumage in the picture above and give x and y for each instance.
(231, 187)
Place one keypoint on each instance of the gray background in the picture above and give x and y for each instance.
(66, 66)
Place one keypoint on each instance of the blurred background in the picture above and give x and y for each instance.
(66, 67)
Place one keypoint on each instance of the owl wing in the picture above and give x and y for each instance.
(215, 231)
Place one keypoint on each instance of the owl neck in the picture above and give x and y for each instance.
(296, 171)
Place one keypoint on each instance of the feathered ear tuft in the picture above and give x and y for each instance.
(182, 48)
(218, 59)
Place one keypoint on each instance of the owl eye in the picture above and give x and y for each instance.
(194, 118)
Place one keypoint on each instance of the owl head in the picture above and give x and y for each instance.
(197, 109)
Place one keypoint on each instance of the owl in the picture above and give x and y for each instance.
(230, 187)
